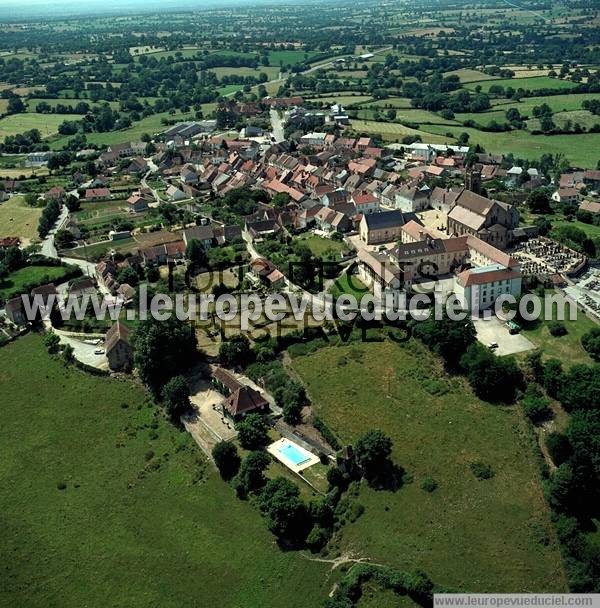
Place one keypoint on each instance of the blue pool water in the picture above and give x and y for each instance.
(293, 454)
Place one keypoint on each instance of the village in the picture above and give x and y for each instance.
(207, 211)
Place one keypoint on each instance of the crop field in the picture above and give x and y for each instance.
(345, 99)
(468, 533)
(47, 124)
(103, 499)
(557, 103)
(529, 84)
(468, 75)
(271, 72)
(391, 131)
(19, 219)
(415, 116)
(279, 58)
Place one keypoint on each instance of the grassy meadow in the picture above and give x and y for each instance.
(140, 521)
(19, 219)
(491, 535)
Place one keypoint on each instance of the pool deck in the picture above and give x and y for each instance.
(275, 450)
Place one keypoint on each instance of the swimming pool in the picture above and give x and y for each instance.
(293, 454)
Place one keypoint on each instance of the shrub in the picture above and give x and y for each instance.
(558, 447)
(481, 470)
(557, 329)
(429, 484)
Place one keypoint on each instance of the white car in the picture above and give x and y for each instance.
(99, 351)
(493, 345)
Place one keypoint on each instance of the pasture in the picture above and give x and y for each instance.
(103, 499)
(467, 534)
(391, 131)
(529, 84)
(17, 282)
(19, 219)
(47, 124)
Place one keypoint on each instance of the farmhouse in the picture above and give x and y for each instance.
(240, 399)
(119, 351)
(204, 234)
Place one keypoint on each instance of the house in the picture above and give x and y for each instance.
(330, 220)
(163, 254)
(240, 399)
(204, 234)
(136, 203)
(96, 194)
(364, 143)
(119, 351)
(261, 228)
(137, 165)
(591, 178)
(276, 278)
(175, 194)
(365, 202)
(9, 241)
(590, 206)
(82, 286)
(378, 272)
(491, 221)
(227, 234)
(188, 175)
(443, 199)
(15, 312)
(127, 292)
(566, 196)
(413, 198)
(383, 227)
(57, 193)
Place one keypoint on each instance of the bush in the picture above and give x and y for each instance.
(557, 329)
(591, 343)
(559, 448)
(481, 470)
(535, 405)
(429, 484)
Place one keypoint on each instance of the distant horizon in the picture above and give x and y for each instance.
(26, 10)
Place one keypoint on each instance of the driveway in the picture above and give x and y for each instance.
(494, 330)
(83, 351)
(276, 126)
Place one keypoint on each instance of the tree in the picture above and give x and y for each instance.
(176, 397)
(558, 447)
(251, 474)
(291, 398)
(552, 376)
(236, 351)
(226, 458)
(73, 203)
(15, 105)
(447, 338)
(591, 343)
(162, 349)
(128, 275)
(52, 342)
(492, 378)
(372, 452)
(252, 432)
(196, 254)
(535, 406)
(284, 511)
(580, 388)
(539, 202)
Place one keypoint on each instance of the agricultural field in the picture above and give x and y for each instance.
(414, 116)
(280, 58)
(580, 149)
(16, 281)
(47, 124)
(346, 99)
(271, 72)
(391, 131)
(19, 219)
(529, 84)
(103, 498)
(467, 75)
(439, 427)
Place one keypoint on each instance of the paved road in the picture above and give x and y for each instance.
(276, 126)
(48, 248)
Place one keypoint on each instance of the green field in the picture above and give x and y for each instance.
(566, 348)
(391, 131)
(534, 83)
(414, 115)
(135, 526)
(279, 58)
(580, 149)
(19, 219)
(469, 75)
(271, 72)
(47, 124)
(468, 534)
(349, 285)
(150, 124)
(14, 283)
